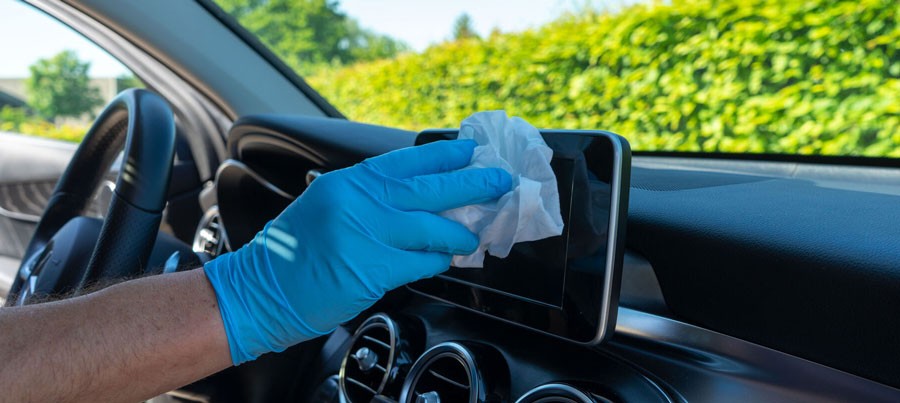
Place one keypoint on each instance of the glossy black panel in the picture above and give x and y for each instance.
(565, 285)
(247, 201)
(536, 270)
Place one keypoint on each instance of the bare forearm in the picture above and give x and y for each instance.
(125, 343)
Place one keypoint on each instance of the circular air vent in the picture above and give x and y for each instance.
(368, 364)
(558, 393)
(445, 373)
(210, 236)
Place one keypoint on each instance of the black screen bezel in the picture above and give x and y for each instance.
(564, 322)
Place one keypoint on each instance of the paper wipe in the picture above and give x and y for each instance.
(530, 211)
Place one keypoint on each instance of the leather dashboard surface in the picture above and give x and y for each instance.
(808, 270)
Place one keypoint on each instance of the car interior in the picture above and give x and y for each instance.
(680, 277)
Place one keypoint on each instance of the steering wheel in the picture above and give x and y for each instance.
(65, 253)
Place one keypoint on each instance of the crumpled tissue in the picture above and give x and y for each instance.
(530, 211)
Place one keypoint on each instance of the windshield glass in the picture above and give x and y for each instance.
(814, 77)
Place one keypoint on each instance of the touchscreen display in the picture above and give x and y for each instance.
(566, 285)
(536, 270)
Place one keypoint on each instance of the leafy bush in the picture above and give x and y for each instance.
(762, 76)
(60, 86)
(18, 120)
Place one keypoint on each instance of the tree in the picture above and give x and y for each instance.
(306, 33)
(126, 81)
(60, 86)
(463, 29)
(364, 45)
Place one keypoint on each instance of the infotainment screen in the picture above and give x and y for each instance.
(566, 285)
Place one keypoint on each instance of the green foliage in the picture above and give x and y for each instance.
(761, 76)
(309, 34)
(60, 87)
(127, 81)
(12, 117)
(463, 29)
(19, 120)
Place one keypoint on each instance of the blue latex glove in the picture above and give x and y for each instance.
(352, 236)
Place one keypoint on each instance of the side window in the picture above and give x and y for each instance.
(53, 82)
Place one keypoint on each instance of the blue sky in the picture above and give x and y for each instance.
(423, 22)
(27, 35)
(417, 22)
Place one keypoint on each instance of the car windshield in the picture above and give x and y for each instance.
(812, 77)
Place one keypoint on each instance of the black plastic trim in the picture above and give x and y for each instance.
(705, 365)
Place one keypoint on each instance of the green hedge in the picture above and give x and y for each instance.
(773, 76)
(21, 121)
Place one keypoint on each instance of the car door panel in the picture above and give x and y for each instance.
(29, 169)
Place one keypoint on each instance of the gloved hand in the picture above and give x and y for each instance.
(352, 236)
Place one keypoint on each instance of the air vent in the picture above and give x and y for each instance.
(445, 373)
(559, 393)
(370, 360)
(210, 236)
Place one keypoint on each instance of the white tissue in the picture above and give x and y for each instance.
(530, 211)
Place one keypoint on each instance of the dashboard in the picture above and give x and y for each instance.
(714, 304)
(757, 281)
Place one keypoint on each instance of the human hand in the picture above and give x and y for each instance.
(352, 236)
